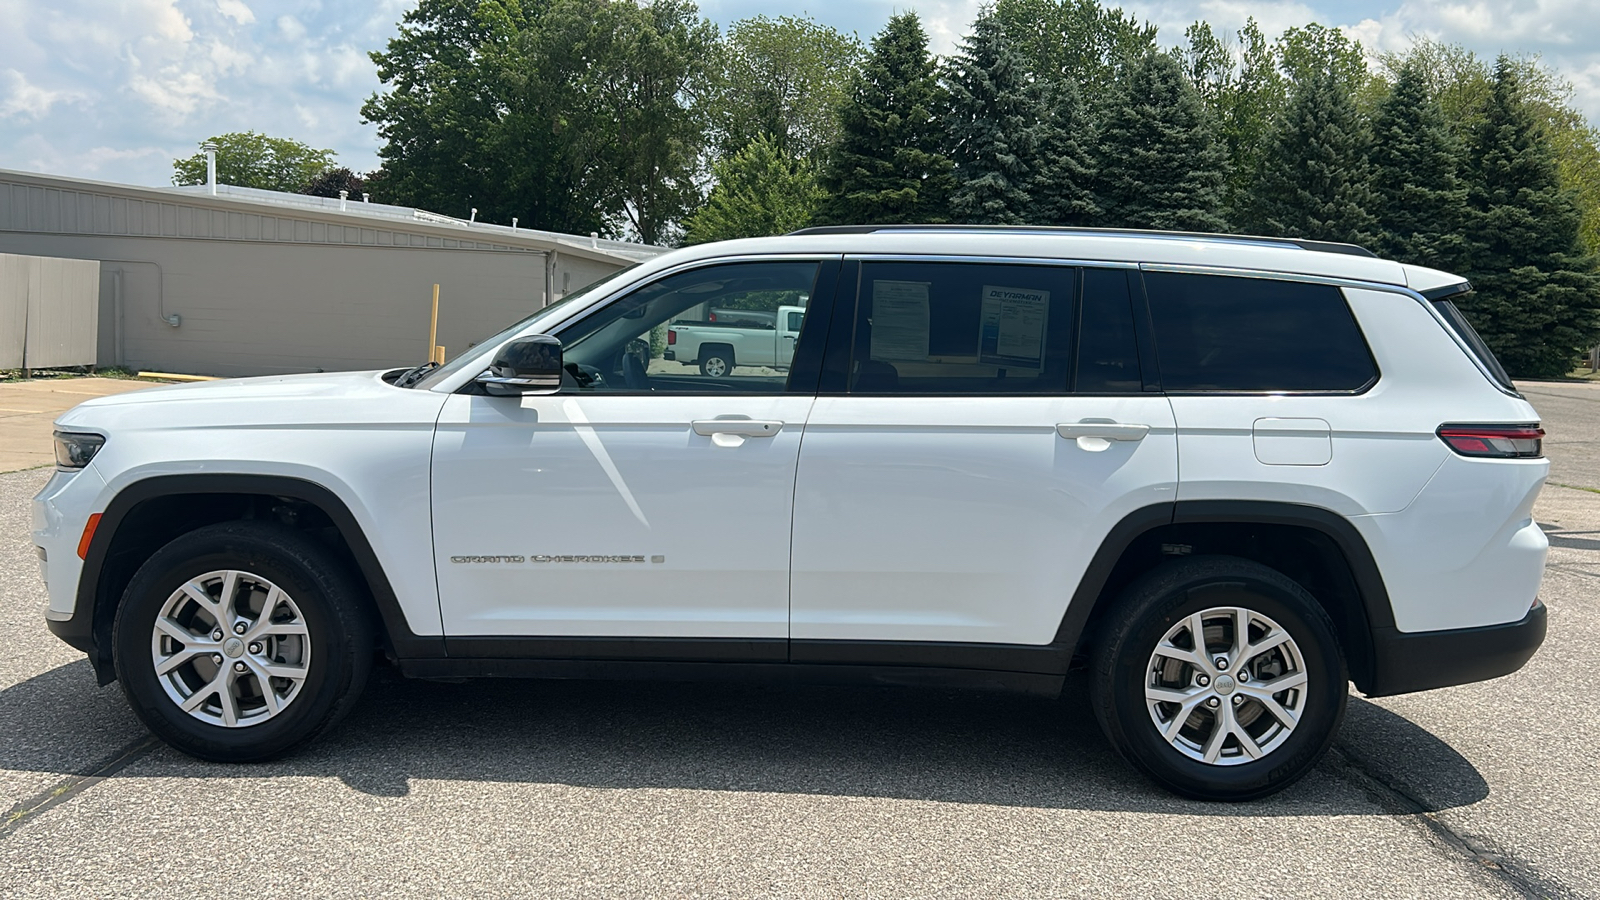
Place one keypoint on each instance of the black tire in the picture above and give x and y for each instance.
(330, 603)
(716, 361)
(1159, 601)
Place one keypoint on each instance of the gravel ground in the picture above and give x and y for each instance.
(571, 789)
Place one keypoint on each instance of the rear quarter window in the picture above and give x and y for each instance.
(1233, 334)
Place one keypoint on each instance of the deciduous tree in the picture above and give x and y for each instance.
(254, 160)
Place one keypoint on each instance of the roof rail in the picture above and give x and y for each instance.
(1319, 246)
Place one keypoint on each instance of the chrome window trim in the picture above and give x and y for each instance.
(485, 352)
(1342, 283)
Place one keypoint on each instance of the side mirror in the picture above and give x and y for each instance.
(530, 365)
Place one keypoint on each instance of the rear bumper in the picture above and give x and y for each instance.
(1406, 662)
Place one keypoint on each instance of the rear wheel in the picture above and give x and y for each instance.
(1219, 678)
(716, 362)
(241, 641)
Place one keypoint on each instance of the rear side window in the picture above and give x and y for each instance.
(1108, 354)
(963, 328)
(1464, 330)
(1223, 333)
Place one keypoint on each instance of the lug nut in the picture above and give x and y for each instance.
(255, 648)
(1214, 703)
(216, 658)
(1202, 680)
(238, 667)
(1238, 700)
(1244, 676)
(1222, 664)
(239, 628)
(216, 635)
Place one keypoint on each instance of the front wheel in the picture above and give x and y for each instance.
(1219, 678)
(241, 641)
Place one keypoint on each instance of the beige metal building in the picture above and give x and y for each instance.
(248, 282)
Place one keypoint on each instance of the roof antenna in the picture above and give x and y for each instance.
(474, 216)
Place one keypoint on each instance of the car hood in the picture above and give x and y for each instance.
(323, 398)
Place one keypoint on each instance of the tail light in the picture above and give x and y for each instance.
(672, 336)
(1495, 441)
(711, 318)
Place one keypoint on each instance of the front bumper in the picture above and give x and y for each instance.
(1405, 662)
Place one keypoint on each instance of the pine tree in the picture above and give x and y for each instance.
(1160, 163)
(760, 191)
(1420, 202)
(1314, 179)
(992, 125)
(887, 167)
(1061, 186)
(1537, 298)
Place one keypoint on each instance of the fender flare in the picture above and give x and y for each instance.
(89, 628)
(1374, 613)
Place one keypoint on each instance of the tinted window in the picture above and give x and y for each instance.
(1216, 333)
(1108, 354)
(712, 329)
(1459, 324)
(962, 328)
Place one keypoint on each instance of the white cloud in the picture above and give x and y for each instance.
(23, 99)
(291, 29)
(237, 11)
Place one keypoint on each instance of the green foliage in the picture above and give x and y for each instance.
(1245, 93)
(572, 115)
(887, 166)
(1315, 50)
(1462, 83)
(249, 159)
(1537, 297)
(1313, 180)
(1077, 41)
(785, 78)
(1420, 202)
(1061, 186)
(760, 191)
(1160, 163)
(993, 127)
(331, 182)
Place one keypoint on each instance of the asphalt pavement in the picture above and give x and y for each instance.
(574, 789)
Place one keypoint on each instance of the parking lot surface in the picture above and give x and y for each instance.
(571, 789)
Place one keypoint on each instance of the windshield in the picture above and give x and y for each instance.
(455, 365)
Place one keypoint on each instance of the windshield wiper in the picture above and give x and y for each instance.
(415, 374)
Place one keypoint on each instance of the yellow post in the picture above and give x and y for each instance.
(435, 352)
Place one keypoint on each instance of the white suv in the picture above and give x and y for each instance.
(1227, 475)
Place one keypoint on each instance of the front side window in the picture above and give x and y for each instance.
(1226, 333)
(721, 328)
(962, 328)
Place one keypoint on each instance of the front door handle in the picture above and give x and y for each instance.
(741, 426)
(731, 431)
(1109, 431)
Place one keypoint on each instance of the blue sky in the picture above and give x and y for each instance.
(116, 89)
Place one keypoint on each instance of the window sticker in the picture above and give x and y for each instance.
(1011, 329)
(899, 320)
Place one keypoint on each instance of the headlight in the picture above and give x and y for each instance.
(73, 451)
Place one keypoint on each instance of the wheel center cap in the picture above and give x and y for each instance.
(234, 648)
(1224, 685)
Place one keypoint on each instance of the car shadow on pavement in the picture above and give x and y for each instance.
(900, 743)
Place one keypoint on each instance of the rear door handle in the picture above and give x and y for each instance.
(1110, 431)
